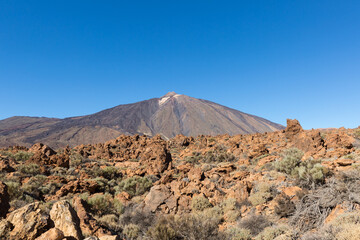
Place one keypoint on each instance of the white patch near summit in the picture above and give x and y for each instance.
(164, 99)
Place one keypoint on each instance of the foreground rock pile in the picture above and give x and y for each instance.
(259, 186)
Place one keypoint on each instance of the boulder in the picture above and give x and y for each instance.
(29, 222)
(65, 219)
(293, 127)
(5, 228)
(78, 186)
(88, 225)
(159, 195)
(52, 234)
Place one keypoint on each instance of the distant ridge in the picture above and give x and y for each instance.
(168, 115)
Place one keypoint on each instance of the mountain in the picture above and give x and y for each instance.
(169, 115)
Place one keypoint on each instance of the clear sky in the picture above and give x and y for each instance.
(276, 59)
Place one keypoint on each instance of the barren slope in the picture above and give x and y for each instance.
(169, 115)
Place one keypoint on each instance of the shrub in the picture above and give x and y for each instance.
(133, 215)
(132, 231)
(110, 172)
(219, 154)
(14, 190)
(30, 169)
(76, 160)
(102, 204)
(135, 185)
(231, 209)
(315, 206)
(357, 133)
(260, 194)
(194, 159)
(284, 206)
(239, 234)
(22, 156)
(310, 172)
(196, 226)
(291, 158)
(254, 223)
(307, 173)
(199, 203)
(110, 221)
(161, 231)
(35, 187)
(270, 233)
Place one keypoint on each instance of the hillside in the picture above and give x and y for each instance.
(288, 184)
(168, 116)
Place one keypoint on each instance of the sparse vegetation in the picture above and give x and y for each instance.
(200, 203)
(261, 194)
(135, 185)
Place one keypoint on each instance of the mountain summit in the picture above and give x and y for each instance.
(168, 115)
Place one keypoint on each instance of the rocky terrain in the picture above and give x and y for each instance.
(287, 184)
(168, 116)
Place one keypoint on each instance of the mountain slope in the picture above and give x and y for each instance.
(169, 115)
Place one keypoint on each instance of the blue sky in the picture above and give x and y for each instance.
(275, 59)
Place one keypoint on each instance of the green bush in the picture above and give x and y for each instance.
(30, 169)
(110, 221)
(35, 185)
(199, 203)
(132, 231)
(310, 172)
(307, 172)
(231, 209)
(219, 154)
(239, 234)
(291, 158)
(22, 156)
(197, 226)
(102, 204)
(75, 160)
(110, 172)
(135, 186)
(261, 194)
(14, 190)
(161, 231)
(272, 232)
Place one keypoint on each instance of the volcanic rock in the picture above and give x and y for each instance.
(66, 220)
(29, 222)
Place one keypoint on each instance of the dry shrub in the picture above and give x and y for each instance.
(316, 205)
(239, 234)
(197, 227)
(254, 223)
(162, 230)
(270, 233)
(284, 206)
(132, 231)
(200, 203)
(261, 194)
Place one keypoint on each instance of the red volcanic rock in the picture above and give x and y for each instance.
(44, 155)
(258, 151)
(151, 154)
(42, 149)
(88, 225)
(293, 128)
(5, 165)
(77, 186)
